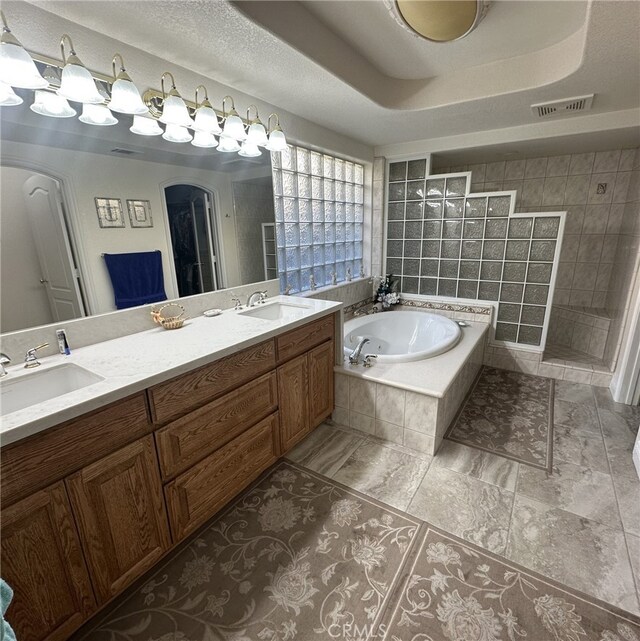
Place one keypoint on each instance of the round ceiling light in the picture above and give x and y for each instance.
(439, 20)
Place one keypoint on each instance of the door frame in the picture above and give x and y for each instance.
(215, 227)
(70, 222)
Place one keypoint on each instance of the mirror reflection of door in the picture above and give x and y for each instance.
(193, 239)
(43, 286)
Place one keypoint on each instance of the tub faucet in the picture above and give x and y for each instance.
(354, 357)
(4, 360)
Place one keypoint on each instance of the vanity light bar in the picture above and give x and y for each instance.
(69, 79)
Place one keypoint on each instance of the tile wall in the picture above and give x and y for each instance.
(594, 220)
(443, 241)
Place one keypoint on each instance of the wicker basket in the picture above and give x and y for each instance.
(175, 321)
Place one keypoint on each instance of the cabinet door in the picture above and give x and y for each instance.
(42, 562)
(321, 361)
(293, 401)
(123, 527)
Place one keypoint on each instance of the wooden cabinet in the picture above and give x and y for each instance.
(293, 388)
(305, 383)
(321, 361)
(43, 563)
(85, 511)
(118, 505)
(196, 495)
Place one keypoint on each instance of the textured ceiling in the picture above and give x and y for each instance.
(316, 62)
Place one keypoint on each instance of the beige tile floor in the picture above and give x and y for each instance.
(579, 525)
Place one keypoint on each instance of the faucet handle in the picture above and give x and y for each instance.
(4, 359)
(366, 362)
(30, 359)
(263, 296)
(287, 290)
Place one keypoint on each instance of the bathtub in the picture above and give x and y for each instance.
(399, 337)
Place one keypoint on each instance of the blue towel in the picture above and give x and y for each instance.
(6, 594)
(137, 278)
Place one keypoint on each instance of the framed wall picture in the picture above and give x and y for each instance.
(110, 212)
(140, 213)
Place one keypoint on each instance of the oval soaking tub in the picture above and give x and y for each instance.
(397, 337)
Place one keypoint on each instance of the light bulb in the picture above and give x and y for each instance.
(257, 134)
(145, 126)
(177, 133)
(206, 119)
(175, 112)
(77, 83)
(125, 97)
(8, 97)
(277, 141)
(228, 144)
(234, 127)
(249, 150)
(204, 139)
(51, 104)
(97, 115)
(17, 68)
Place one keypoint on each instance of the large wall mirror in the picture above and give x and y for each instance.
(72, 193)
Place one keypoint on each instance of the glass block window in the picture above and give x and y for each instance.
(319, 205)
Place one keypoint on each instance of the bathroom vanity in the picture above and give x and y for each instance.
(91, 503)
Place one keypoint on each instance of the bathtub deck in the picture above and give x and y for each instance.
(431, 376)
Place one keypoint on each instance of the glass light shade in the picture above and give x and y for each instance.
(97, 115)
(204, 139)
(8, 97)
(277, 141)
(125, 98)
(77, 84)
(174, 112)
(228, 144)
(257, 134)
(18, 69)
(206, 120)
(177, 133)
(234, 127)
(51, 104)
(249, 150)
(144, 126)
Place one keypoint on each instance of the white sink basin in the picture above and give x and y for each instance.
(277, 311)
(31, 388)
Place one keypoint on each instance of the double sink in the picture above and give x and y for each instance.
(24, 389)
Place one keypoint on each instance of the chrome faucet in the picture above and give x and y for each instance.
(262, 296)
(354, 357)
(4, 360)
(30, 358)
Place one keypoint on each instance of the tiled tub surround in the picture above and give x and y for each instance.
(410, 404)
(594, 220)
(444, 241)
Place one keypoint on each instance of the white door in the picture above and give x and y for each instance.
(59, 276)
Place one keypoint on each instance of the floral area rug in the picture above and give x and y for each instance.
(299, 557)
(509, 414)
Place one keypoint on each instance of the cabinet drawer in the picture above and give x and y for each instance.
(199, 493)
(178, 396)
(47, 457)
(190, 438)
(304, 338)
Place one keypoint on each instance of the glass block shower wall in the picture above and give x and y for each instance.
(319, 214)
(443, 241)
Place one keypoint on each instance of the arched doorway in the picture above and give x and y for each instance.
(194, 241)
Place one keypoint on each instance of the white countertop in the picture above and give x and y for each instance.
(431, 376)
(138, 361)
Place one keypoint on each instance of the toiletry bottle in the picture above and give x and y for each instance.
(63, 344)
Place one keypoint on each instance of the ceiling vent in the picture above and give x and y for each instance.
(562, 107)
(124, 152)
